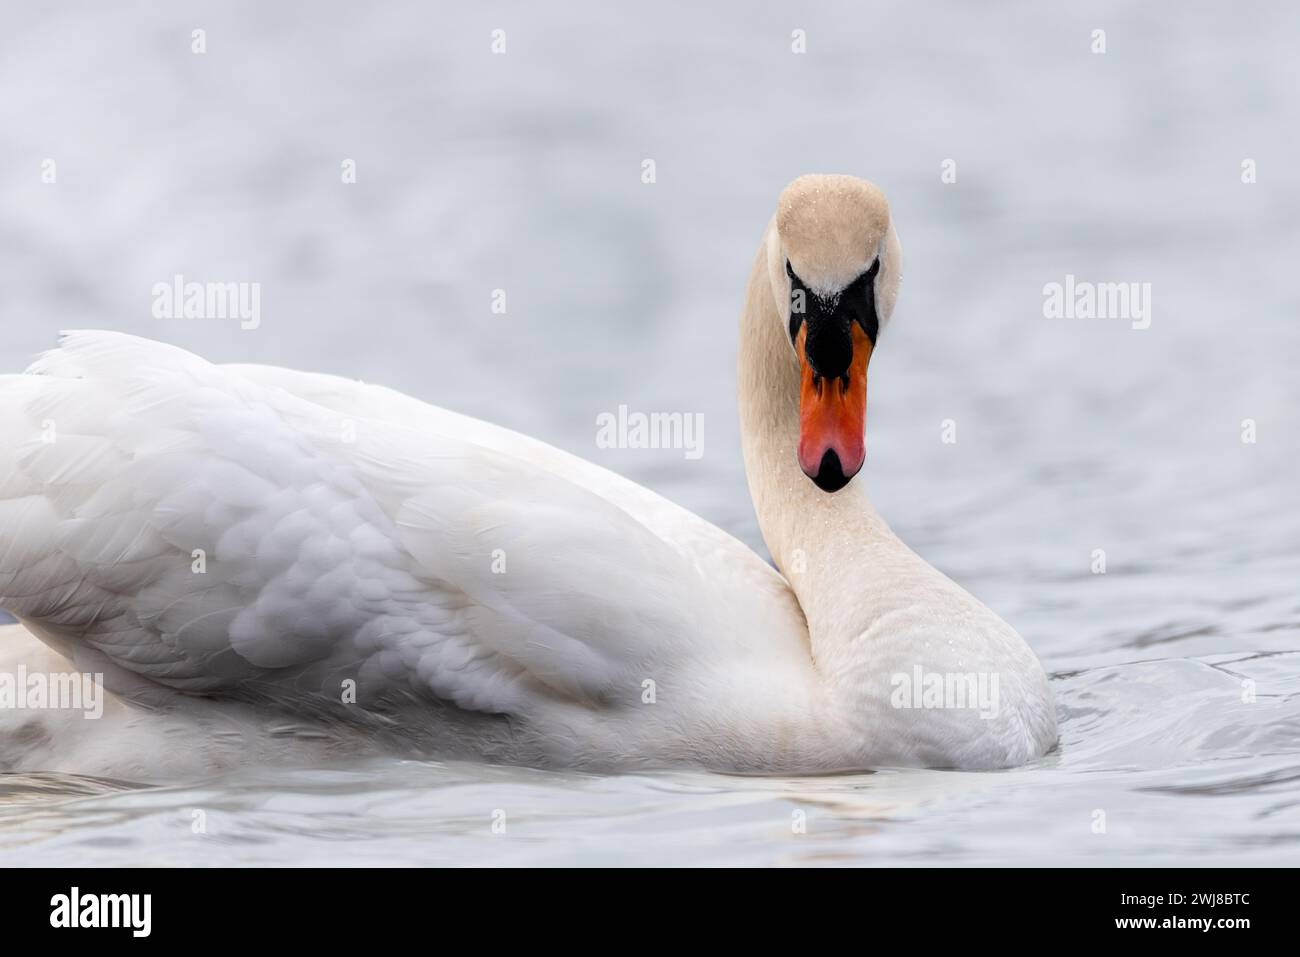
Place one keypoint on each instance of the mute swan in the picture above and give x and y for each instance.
(317, 549)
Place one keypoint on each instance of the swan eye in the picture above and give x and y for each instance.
(789, 271)
(864, 311)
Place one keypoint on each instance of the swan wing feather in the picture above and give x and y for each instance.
(189, 526)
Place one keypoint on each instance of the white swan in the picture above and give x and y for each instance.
(312, 547)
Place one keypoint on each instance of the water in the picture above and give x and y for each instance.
(522, 172)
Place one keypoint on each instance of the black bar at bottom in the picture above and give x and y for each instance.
(363, 907)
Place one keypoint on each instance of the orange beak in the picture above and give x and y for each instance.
(833, 416)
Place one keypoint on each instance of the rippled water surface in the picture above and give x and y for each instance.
(1177, 671)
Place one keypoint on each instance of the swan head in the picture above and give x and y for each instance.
(834, 262)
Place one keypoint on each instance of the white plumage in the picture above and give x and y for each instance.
(208, 530)
(311, 547)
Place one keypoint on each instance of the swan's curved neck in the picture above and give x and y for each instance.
(874, 609)
(835, 550)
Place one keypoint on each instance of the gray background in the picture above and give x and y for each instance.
(479, 171)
